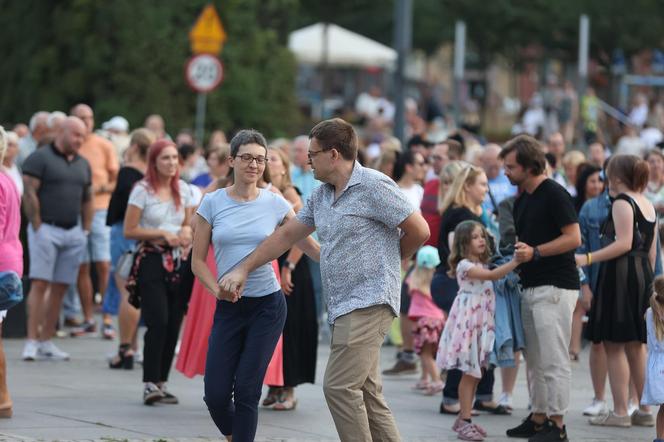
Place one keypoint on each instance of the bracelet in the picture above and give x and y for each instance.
(589, 258)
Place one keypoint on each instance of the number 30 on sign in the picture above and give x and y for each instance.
(204, 72)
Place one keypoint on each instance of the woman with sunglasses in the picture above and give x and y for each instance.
(247, 325)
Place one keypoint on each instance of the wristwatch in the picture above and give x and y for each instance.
(536, 254)
(289, 265)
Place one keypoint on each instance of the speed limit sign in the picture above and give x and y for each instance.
(204, 72)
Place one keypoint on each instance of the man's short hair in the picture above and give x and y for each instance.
(454, 149)
(336, 134)
(529, 154)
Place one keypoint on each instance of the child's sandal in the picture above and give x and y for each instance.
(470, 432)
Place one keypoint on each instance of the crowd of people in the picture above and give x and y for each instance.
(485, 254)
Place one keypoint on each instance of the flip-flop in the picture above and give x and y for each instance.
(443, 410)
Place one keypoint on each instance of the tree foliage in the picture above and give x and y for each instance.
(127, 58)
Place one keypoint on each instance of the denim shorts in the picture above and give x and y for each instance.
(99, 241)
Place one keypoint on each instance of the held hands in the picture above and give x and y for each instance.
(523, 252)
(232, 284)
(172, 239)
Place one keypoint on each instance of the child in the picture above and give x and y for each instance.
(653, 391)
(428, 319)
(468, 337)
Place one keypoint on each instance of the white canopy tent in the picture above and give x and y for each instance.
(344, 48)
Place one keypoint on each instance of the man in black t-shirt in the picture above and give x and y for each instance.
(57, 194)
(547, 232)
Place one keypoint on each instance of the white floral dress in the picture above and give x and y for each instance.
(469, 334)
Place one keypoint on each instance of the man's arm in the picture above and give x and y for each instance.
(87, 209)
(415, 232)
(31, 200)
(273, 247)
(569, 240)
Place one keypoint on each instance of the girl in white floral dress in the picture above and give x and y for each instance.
(469, 335)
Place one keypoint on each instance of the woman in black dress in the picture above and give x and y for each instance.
(624, 286)
(300, 338)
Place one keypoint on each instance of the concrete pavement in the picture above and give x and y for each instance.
(82, 399)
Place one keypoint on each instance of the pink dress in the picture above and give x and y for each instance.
(11, 250)
(469, 334)
(197, 327)
(428, 319)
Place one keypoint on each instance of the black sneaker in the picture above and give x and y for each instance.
(526, 429)
(550, 433)
(168, 397)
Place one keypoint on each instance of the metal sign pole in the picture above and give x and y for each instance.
(403, 19)
(201, 101)
(584, 40)
(459, 61)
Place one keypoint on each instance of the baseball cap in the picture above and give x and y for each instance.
(428, 258)
(116, 123)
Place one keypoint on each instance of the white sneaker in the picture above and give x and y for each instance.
(30, 350)
(48, 350)
(631, 408)
(597, 408)
(506, 401)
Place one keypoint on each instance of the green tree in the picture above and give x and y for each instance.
(127, 58)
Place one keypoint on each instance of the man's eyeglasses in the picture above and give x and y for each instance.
(312, 153)
(248, 158)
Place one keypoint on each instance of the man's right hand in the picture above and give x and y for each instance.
(233, 282)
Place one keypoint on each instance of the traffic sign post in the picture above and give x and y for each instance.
(204, 71)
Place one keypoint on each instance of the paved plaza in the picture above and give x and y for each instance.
(83, 400)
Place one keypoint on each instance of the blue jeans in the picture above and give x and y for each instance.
(119, 245)
(244, 335)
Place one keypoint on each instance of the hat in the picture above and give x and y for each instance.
(117, 123)
(428, 258)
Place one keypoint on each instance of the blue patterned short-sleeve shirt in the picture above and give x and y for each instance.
(360, 252)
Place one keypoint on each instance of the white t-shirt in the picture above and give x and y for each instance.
(238, 228)
(158, 214)
(415, 193)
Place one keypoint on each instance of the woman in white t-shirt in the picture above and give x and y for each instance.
(409, 172)
(158, 215)
(246, 326)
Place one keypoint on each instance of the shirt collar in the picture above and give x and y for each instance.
(60, 154)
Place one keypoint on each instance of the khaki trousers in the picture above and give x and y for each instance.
(547, 324)
(352, 386)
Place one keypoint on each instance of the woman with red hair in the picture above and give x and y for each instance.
(158, 214)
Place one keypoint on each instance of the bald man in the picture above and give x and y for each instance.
(58, 191)
(104, 163)
(500, 187)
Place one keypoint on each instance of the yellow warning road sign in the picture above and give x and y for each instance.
(208, 34)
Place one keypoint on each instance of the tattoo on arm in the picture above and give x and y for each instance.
(31, 200)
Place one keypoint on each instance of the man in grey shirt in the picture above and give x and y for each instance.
(365, 225)
(57, 193)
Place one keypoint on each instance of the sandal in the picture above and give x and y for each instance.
(272, 397)
(285, 405)
(421, 385)
(124, 358)
(6, 411)
(434, 388)
(470, 432)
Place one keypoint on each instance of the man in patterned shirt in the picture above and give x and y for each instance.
(365, 225)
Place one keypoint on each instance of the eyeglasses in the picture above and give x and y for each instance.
(248, 158)
(312, 153)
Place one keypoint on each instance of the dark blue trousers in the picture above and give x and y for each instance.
(244, 335)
